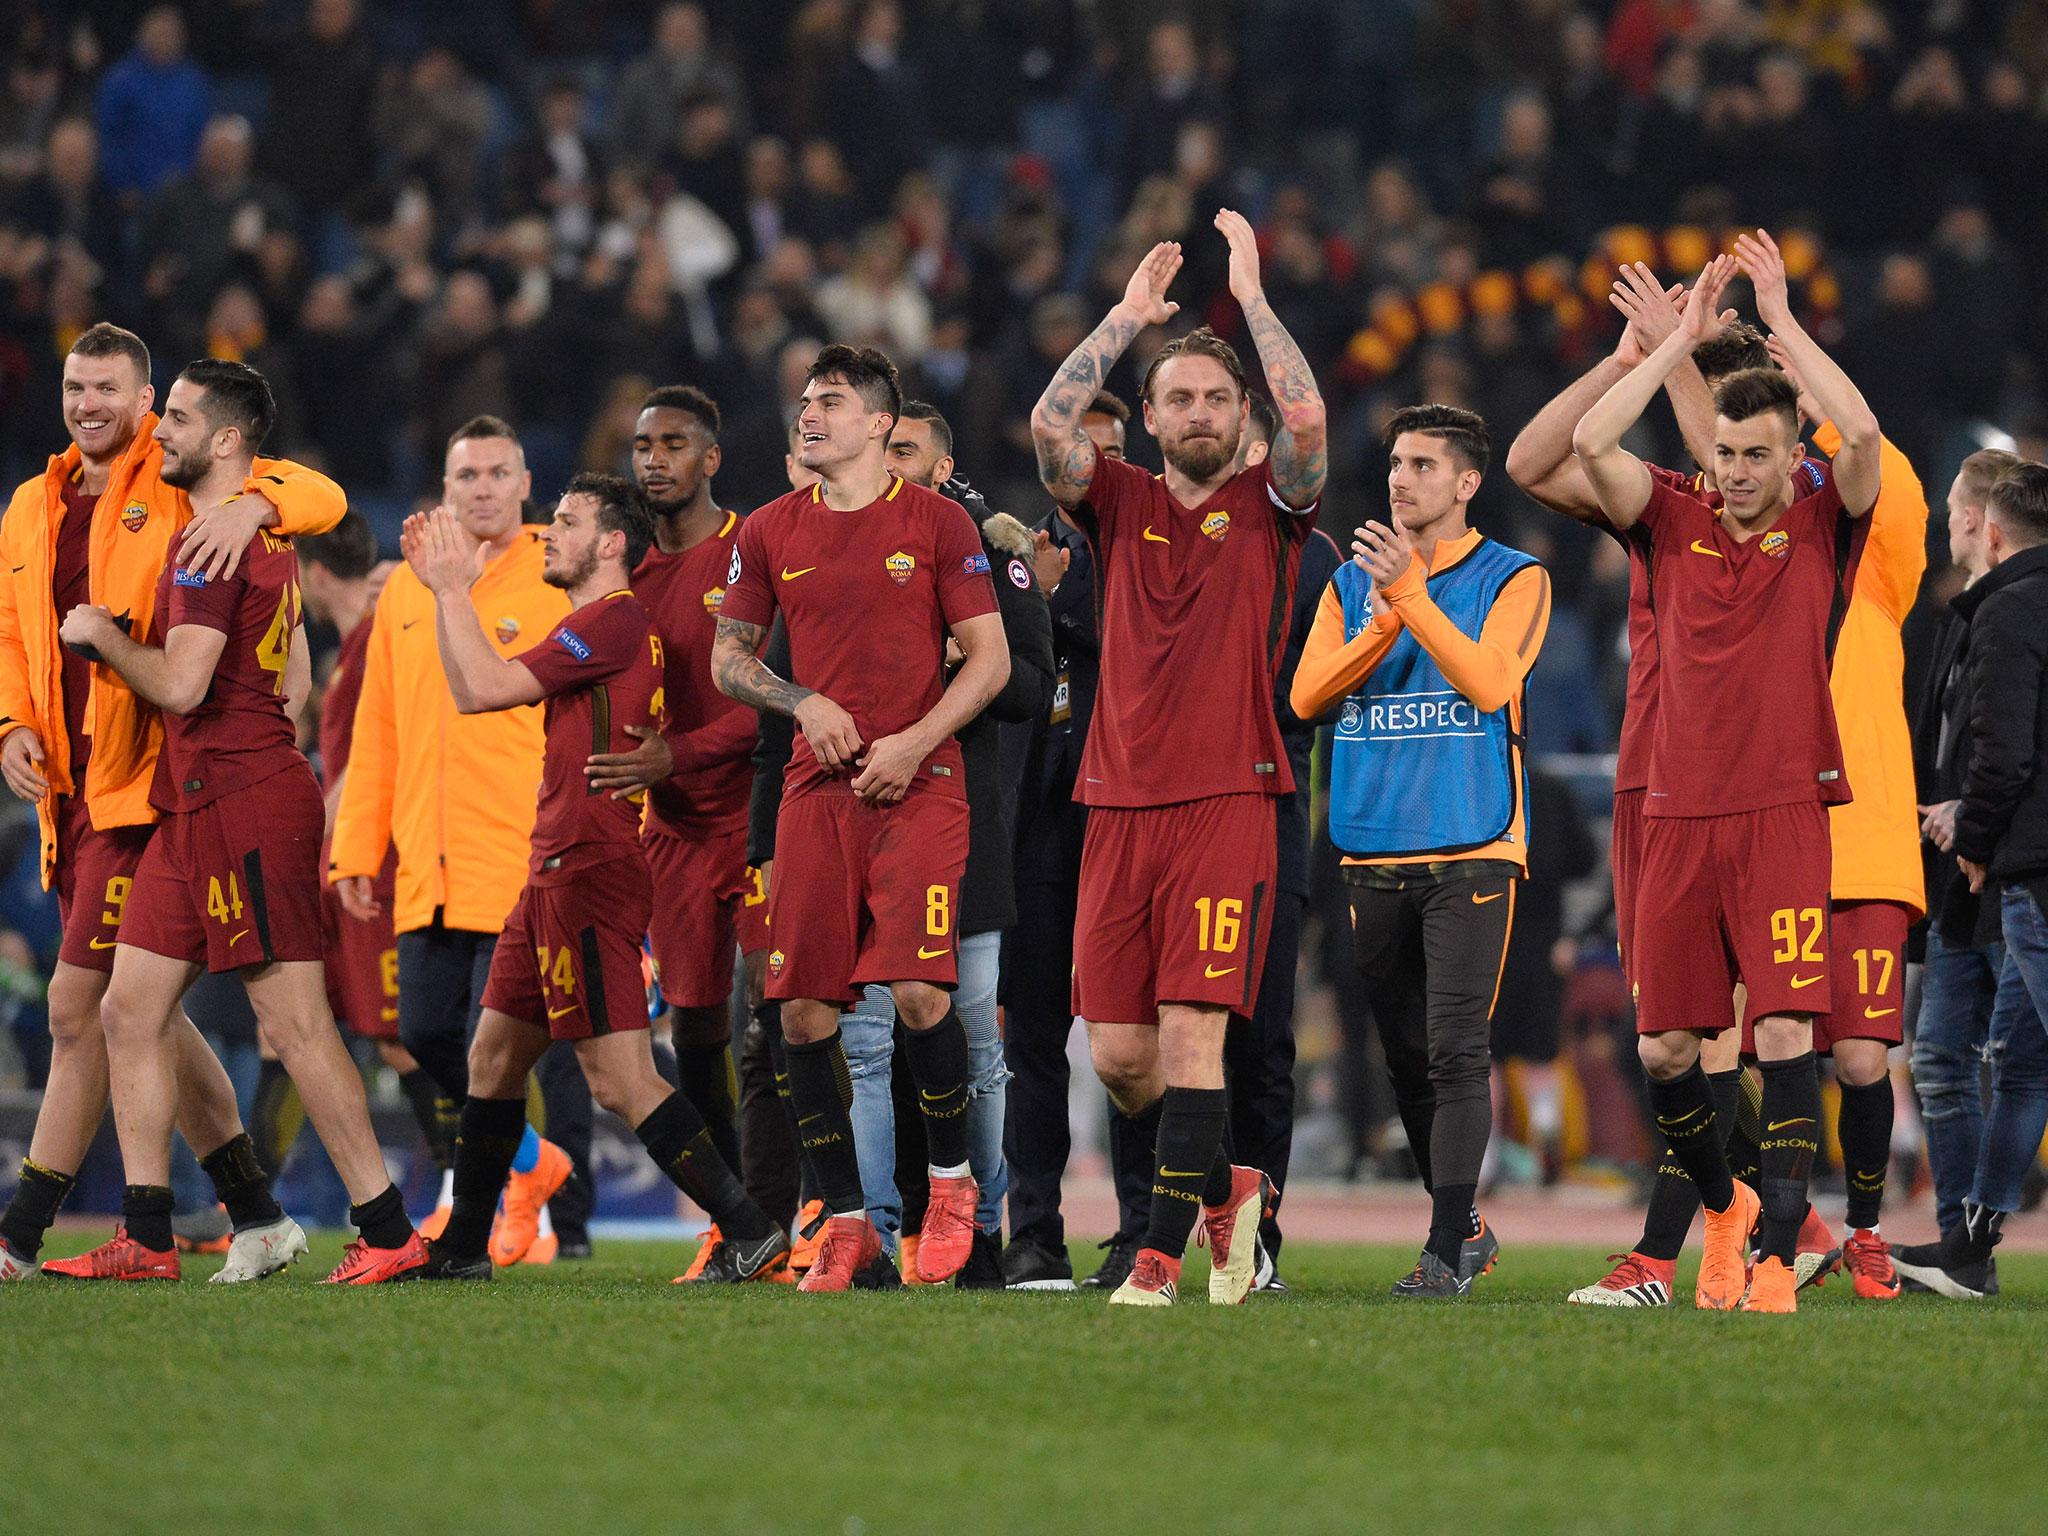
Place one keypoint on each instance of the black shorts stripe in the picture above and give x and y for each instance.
(593, 984)
(600, 727)
(1251, 928)
(259, 905)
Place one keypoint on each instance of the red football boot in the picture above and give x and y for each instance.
(851, 1244)
(364, 1265)
(1868, 1258)
(1232, 1232)
(121, 1258)
(947, 1237)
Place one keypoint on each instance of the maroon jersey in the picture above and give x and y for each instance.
(1744, 720)
(600, 670)
(1195, 604)
(1639, 712)
(239, 735)
(712, 736)
(71, 585)
(868, 596)
(338, 704)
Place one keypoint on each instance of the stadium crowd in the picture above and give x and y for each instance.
(408, 220)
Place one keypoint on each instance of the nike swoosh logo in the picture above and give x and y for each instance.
(789, 575)
(1805, 981)
(19, 569)
(1480, 901)
(932, 1098)
(1213, 974)
(408, 624)
(102, 944)
(1176, 1173)
(556, 1013)
(932, 954)
(238, 938)
(1156, 538)
(1779, 1125)
(1878, 1013)
(807, 1119)
(1700, 549)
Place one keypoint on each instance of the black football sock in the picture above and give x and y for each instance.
(705, 1075)
(1450, 1221)
(1133, 1151)
(242, 1185)
(770, 1016)
(381, 1219)
(486, 1141)
(1865, 1126)
(275, 1116)
(34, 1206)
(1673, 1202)
(1216, 1189)
(681, 1146)
(425, 1101)
(1684, 1107)
(1191, 1122)
(1791, 1118)
(1742, 1137)
(146, 1213)
(821, 1090)
(940, 1067)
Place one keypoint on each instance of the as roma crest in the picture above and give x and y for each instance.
(899, 566)
(1216, 526)
(508, 630)
(714, 600)
(134, 515)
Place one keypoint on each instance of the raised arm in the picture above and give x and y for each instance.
(1858, 472)
(1066, 457)
(1300, 453)
(1619, 479)
(446, 561)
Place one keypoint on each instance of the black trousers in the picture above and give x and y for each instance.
(1038, 1018)
(441, 975)
(768, 1162)
(1430, 950)
(1258, 1064)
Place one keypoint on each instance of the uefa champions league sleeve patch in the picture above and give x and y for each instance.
(573, 643)
(189, 577)
(975, 564)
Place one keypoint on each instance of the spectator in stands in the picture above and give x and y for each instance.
(151, 109)
(677, 66)
(316, 140)
(205, 226)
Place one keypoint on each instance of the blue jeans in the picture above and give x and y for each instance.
(869, 1035)
(1957, 986)
(2018, 1052)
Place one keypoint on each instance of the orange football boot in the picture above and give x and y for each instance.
(363, 1265)
(947, 1237)
(1772, 1288)
(1724, 1266)
(1868, 1258)
(702, 1257)
(119, 1258)
(850, 1245)
(810, 1236)
(518, 1222)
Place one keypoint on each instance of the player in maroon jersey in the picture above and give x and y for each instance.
(871, 574)
(1195, 571)
(568, 964)
(1744, 760)
(695, 834)
(231, 880)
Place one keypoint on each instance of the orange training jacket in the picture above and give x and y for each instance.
(457, 793)
(134, 526)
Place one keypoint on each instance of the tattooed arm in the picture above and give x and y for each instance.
(1066, 457)
(739, 672)
(1300, 456)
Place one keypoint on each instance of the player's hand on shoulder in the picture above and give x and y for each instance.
(624, 773)
(887, 768)
(834, 738)
(214, 540)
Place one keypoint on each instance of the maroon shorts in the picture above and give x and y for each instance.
(702, 882)
(569, 955)
(865, 893)
(1175, 906)
(1870, 939)
(1732, 898)
(236, 882)
(362, 959)
(1625, 857)
(95, 871)
(751, 921)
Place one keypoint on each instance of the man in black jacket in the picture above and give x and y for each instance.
(921, 451)
(2001, 829)
(1959, 973)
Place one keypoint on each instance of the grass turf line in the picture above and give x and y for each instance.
(597, 1398)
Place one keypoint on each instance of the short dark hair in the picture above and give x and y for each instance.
(1200, 342)
(1984, 469)
(867, 370)
(620, 509)
(1265, 421)
(236, 395)
(2019, 503)
(1107, 404)
(483, 426)
(348, 549)
(1738, 347)
(109, 340)
(1463, 432)
(924, 410)
(1753, 391)
(688, 399)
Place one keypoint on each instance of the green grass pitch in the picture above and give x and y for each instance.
(597, 1399)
